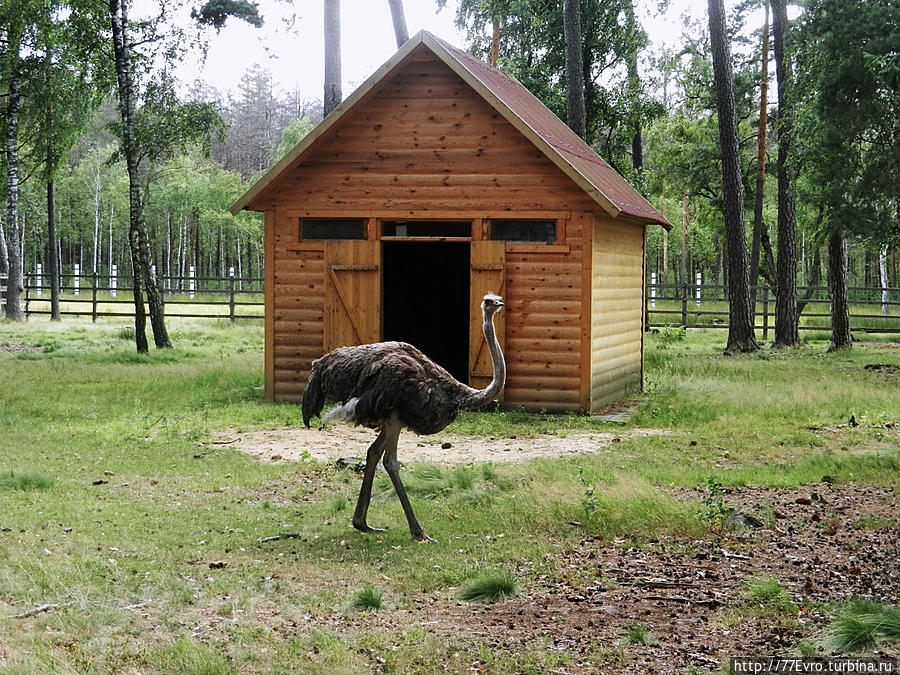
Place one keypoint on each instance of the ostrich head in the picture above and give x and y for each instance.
(491, 305)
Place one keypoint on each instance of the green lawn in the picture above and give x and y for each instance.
(118, 511)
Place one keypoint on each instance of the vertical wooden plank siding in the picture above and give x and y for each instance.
(352, 293)
(269, 258)
(486, 276)
(617, 311)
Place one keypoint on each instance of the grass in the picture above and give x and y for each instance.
(367, 599)
(863, 625)
(491, 587)
(639, 633)
(117, 506)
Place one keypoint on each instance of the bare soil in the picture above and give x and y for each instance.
(823, 543)
(828, 544)
(335, 442)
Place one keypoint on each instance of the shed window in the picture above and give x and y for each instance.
(524, 230)
(428, 228)
(332, 228)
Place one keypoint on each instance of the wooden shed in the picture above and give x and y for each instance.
(438, 180)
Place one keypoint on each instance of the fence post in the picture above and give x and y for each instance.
(684, 297)
(39, 278)
(765, 290)
(699, 287)
(231, 293)
(94, 282)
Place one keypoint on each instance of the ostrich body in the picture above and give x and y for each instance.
(392, 385)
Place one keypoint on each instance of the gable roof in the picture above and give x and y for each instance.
(517, 105)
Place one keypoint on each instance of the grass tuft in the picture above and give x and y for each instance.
(493, 587)
(765, 597)
(367, 599)
(25, 481)
(639, 633)
(864, 625)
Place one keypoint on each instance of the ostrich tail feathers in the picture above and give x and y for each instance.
(313, 398)
(344, 412)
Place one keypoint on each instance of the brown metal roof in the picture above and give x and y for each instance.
(521, 108)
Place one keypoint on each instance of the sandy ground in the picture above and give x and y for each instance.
(292, 444)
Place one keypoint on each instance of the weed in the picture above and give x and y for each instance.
(367, 599)
(864, 625)
(639, 633)
(24, 481)
(765, 597)
(493, 587)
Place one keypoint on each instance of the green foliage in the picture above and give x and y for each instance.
(215, 13)
(765, 597)
(14, 480)
(864, 625)
(490, 587)
(639, 633)
(367, 599)
(291, 135)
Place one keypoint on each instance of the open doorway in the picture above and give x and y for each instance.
(426, 300)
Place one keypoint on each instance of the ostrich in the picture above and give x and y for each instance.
(392, 385)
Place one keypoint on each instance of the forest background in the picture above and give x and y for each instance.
(649, 109)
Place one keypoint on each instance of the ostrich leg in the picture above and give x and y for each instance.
(373, 456)
(392, 466)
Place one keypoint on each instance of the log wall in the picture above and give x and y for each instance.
(422, 144)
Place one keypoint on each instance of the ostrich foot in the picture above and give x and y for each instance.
(362, 527)
(422, 538)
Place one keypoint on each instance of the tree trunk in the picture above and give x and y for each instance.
(332, 56)
(634, 82)
(758, 224)
(837, 282)
(52, 251)
(495, 40)
(398, 16)
(787, 333)
(740, 315)
(137, 234)
(15, 281)
(575, 112)
(685, 214)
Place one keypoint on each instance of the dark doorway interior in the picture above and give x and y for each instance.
(426, 300)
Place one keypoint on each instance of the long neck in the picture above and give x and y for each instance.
(481, 397)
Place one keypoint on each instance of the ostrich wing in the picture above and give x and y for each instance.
(386, 378)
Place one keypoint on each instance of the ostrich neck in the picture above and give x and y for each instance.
(480, 397)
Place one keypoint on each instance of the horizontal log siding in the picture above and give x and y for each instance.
(297, 311)
(617, 310)
(425, 142)
(544, 325)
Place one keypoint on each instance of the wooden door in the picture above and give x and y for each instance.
(487, 260)
(352, 293)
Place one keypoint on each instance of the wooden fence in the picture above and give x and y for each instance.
(706, 306)
(103, 296)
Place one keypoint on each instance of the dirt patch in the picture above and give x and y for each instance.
(293, 444)
(827, 544)
(17, 348)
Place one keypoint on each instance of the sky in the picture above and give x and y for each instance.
(294, 53)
